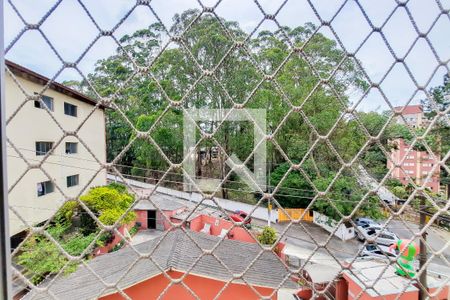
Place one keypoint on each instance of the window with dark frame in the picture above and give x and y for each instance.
(43, 148)
(70, 109)
(71, 148)
(44, 188)
(72, 180)
(48, 101)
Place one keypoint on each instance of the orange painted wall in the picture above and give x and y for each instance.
(236, 233)
(354, 289)
(164, 220)
(161, 221)
(196, 224)
(442, 295)
(204, 288)
(141, 217)
(116, 240)
(341, 289)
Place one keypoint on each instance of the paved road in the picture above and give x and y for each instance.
(437, 239)
(343, 250)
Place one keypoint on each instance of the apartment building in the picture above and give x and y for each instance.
(39, 181)
(416, 165)
(412, 115)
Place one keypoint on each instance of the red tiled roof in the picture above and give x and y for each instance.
(410, 109)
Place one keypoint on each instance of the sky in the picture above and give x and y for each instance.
(70, 31)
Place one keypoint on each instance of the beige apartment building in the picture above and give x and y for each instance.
(68, 171)
(412, 115)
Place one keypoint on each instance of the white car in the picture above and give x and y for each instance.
(382, 252)
(364, 229)
(370, 226)
(385, 237)
(364, 221)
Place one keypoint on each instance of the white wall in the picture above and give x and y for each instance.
(229, 205)
(330, 225)
(32, 124)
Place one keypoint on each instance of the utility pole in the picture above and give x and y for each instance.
(423, 252)
(269, 204)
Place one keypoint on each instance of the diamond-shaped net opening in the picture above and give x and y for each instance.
(227, 150)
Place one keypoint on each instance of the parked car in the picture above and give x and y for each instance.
(239, 216)
(385, 237)
(364, 221)
(382, 252)
(371, 226)
(362, 229)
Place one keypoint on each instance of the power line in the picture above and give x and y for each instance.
(281, 188)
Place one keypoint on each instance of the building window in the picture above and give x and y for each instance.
(72, 180)
(71, 148)
(410, 157)
(70, 109)
(44, 188)
(48, 101)
(43, 148)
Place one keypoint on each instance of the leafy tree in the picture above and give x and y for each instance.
(400, 192)
(439, 101)
(40, 257)
(109, 204)
(294, 191)
(143, 101)
(268, 236)
(345, 193)
(168, 135)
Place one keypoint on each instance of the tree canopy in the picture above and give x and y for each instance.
(301, 79)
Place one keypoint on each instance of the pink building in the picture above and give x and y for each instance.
(417, 164)
(217, 226)
(151, 218)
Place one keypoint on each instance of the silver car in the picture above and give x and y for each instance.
(385, 237)
(381, 252)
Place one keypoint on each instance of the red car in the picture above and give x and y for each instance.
(239, 216)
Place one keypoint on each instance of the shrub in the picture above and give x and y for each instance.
(118, 187)
(40, 257)
(118, 246)
(133, 230)
(65, 212)
(109, 204)
(105, 238)
(268, 236)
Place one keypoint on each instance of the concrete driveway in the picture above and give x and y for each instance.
(145, 235)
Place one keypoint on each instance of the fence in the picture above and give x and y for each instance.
(312, 94)
(294, 214)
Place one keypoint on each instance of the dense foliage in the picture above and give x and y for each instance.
(75, 232)
(268, 236)
(243, 74)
